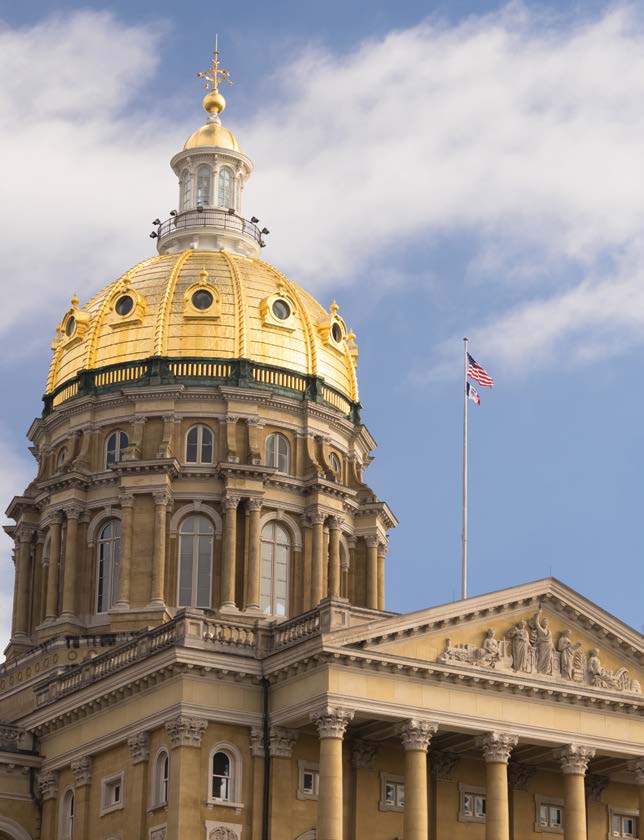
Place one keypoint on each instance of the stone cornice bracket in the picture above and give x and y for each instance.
(442, 765)
(497, 746)
(332, 721)
(281, 742)
(185, 731)
(519, 775)
(595, 786)
(48, 784)
(82, 770)
(363, 755)
(416, 734)
(574, 759)
(139, 746)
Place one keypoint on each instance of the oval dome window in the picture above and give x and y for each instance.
(202, 299)
(281, 309)
(124, 305)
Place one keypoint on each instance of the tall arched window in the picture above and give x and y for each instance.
(276, 551)
(199, 445)
(221, 777)
(62, 457)
(225, 187)
(161, 779)
(203, 186)
(335, 464)
(186, 189)
(115, 446)
(277, 452)
(67, 816)
(107, 570)
(195, 561)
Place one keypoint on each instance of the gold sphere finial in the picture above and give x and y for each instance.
(213, 101)
(203, 274)
(334, 308)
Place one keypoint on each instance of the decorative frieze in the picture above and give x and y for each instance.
(442, 765)
(332, 721)
(139, 746)
(363, 755)
(185, 731)
(497, 746)
(48, 784)
(416, 734)
(82, 770)
(282, 741)
(574, 758)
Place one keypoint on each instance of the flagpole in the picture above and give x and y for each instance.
(464, 554)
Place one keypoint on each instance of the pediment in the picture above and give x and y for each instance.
(552, 635)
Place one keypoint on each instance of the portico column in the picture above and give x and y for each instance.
(157, 594)
(372, 572)
(574, 760)
(497, 747)
(82, 770)
(54, 563)
(334, 556)
(307, 557)
(415, 736)
(229, 566)
(70, 572)
(332, 723)
(382, 553)
(638, 767)
(317, 570)
(23, 579)
(125, 558)
(254, 553)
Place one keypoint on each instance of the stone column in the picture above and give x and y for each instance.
(574, 760)
(71, 578)
(382, 553)
(82, 770)
(254, 554)
(257, 753)
(157, 587)
(372, 574)
(363, 762)
(137, 783)
(281, 742)
(125, 558)
(186, 793)
(332, 723)
(307, 559)
(497, 747)
(54, 564)
(317, 570)
(40, 581)
(415, 736)
(334, 556)
(24, 536)
(229, 565)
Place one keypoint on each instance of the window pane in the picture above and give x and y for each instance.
(616, 825)
(203, 574)
(401, 795)
(221, 764)
(185, 570)
(123, 442)
(467, 805)
(390, 794)
(307, 782)
(192, 445)
(206, 446)
(203, 186)
(225, 192)
(270, 451)
(110, 452)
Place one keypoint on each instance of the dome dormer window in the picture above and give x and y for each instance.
(281, 309)
(225, 187)
(124, 305)
(70, 326)
(203, 186)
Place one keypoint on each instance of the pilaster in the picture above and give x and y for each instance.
(137, 782)
(186, 783)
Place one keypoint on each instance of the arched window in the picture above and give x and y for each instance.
(277, 452)
(222, 777)
(225, 187)
(107, 571)
(335, 464)
(195, 561)
(203, 186)
(67, 816)
(199, 445)
(186, 189)
(276, 551)
(62, 457)
(161, 779)
(115, 446)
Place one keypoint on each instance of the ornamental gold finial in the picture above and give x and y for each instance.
(213, 102)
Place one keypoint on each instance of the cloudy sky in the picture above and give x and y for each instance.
(443, 169)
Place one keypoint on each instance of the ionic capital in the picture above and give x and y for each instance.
(139, 746)
(281, 741)
(82, 770)
(185, 731)
(48, 784)
(497, 746)
(416, 734)
(574, 759)
(332, 721)
(363, 754)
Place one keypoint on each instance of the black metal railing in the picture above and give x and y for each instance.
(209, 217)
(183, 370)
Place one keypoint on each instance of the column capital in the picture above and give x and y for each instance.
(73, 511)
(497, 746)
(363, 754)
(281, 741)
(637, 767)
(48, 784)
(416, 734)
(257, 742)
(372, 541)
(186, 731)
(317, 518)
(332, 721)
(231, 502)
(382, 549)
(126, 500)
(56, 517)
(254, 504)
(162, 498)
(139, 746)
(335, 522)
(574, 758)
(442, 764)
(25, 533)
(82, 770)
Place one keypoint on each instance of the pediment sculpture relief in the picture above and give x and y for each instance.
(529, 648)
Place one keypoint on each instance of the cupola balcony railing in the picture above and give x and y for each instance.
(209, 217)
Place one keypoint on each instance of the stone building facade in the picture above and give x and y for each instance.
(200, 646)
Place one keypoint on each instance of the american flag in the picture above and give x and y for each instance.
(476, 372)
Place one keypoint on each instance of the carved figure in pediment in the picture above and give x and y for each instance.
(491, 652)
(521, 647)
(544, 646)
(567, 655)
(602, 677)
(485, 656)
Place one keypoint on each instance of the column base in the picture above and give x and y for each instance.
(120, 606)
(229, 608)
(156, 604)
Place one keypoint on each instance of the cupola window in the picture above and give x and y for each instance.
(186, 189)
(195, 562)
(202, 299)
(199, 445)
(277, 452)
(225, 187)
(124, 305)
(70, 327)
(281, 309)
(336, 332)
(276, 550)
(203, 186)
(115, 446)
(107, 570)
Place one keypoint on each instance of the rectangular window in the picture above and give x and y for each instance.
(550, 814)
(473, 804)
(309, 780)
(392, 792)
(112, 794)
(623, 824)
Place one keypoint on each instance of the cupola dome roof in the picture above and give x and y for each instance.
(212, 134)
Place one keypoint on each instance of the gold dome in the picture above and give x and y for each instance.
(212, 134)
(159, 319)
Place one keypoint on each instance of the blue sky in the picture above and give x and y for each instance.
(441, 169)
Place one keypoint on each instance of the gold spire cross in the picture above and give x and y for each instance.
(213, 76)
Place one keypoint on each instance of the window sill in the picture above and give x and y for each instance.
(465, 819)
(111, 809)
(238, 807)
(304, 796)
(397, 809)
(546, 829)
(162, 806)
